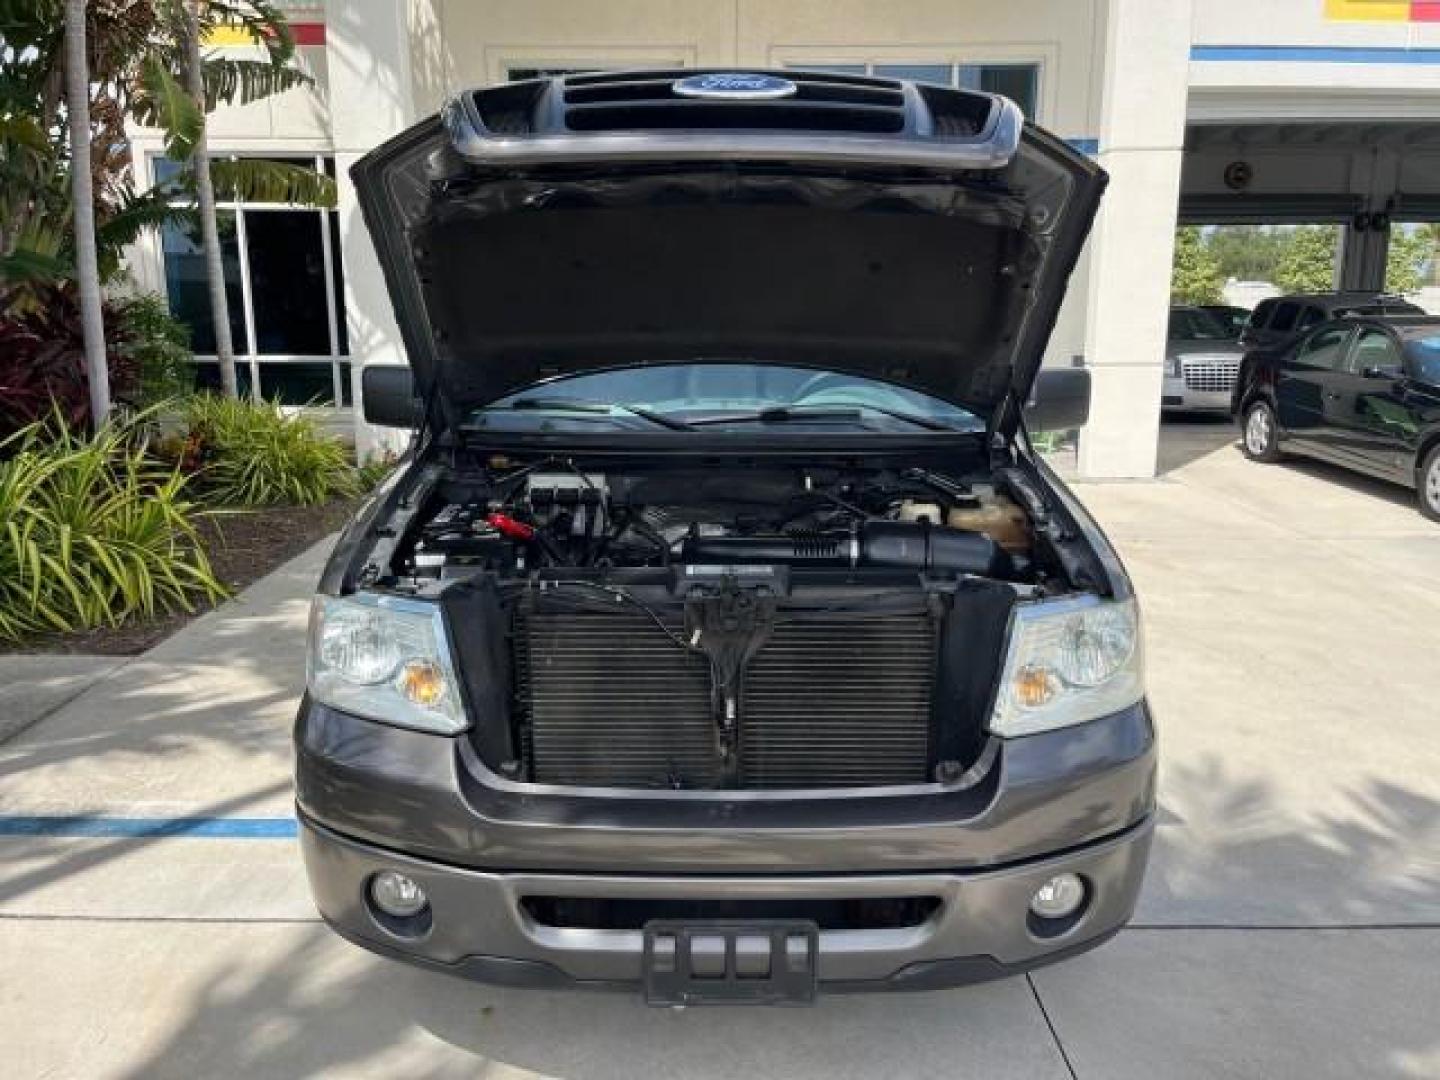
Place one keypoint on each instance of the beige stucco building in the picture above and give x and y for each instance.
(1332, 107)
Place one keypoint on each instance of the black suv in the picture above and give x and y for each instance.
(1281, 319)
(724, 634)
(1359, 392)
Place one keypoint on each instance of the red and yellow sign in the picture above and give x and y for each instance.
(1383, 10)
(305, 33)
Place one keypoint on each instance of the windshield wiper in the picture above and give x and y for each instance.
(779, 414)
(598, 407)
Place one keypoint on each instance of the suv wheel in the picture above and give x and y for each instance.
(1260, 436)
(1429, 485)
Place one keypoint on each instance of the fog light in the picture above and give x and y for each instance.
(397, 895)
(1059, 897)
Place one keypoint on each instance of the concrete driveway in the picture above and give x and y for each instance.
(154, 920)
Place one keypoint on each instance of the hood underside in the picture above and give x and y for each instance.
(612, 249)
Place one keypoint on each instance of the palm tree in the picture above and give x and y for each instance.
(87, 262)
(205, 202)
(141, 57)
(182, 116)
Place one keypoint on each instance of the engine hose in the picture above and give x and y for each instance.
(909, 545)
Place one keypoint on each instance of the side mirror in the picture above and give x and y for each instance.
(1059, 400)
(1382, 373)
(387, 396)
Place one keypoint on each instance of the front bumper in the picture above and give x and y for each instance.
(1177, 396)
(478, 928)
(373, 797)
(431, 798)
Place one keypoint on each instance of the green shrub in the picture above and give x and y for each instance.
(252, 454)
(1052, 442)
(373, 472)
(42, 362)
(95, 530)
(158, 344)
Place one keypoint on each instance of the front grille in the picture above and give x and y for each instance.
(850, 119)
(1211, 376)
(633, 102)
(828, 701)
(509, 109)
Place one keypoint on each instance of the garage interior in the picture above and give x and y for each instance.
(1366, 177)
(1369, 176)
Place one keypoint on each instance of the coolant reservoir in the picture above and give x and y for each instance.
(998, 517)
(915, 511)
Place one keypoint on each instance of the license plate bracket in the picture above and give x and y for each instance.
(730, 962)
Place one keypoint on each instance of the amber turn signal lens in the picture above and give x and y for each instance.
(1034, 686)
(422, 682)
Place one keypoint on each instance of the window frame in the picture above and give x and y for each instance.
(500, 59)
(1342, 351)
(1043, 56)
(1397, 350)
(1291, 308)
(322, 160)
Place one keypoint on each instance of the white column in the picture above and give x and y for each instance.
(1142, 134)
(371, 98)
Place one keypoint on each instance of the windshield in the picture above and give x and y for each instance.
(1190, 324)
(717, 396)
(1231, 318)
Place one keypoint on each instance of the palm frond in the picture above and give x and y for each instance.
(239, 82)
(24, 131)
(259, 180)
(164, 104)
(133, 215)
(28, 265)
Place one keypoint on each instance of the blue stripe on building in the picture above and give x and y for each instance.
(1315, 54)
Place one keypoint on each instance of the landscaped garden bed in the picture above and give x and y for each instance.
(241, 546)
(111, 541)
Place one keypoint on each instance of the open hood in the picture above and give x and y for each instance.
(910, 233)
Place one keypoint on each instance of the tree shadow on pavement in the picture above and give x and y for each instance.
(1237, 853)
(381, 1018)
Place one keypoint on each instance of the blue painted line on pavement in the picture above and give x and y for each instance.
(1316, 54)
(96, 825)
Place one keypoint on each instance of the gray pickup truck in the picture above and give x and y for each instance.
(723, 636)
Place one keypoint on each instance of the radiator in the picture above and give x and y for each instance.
(607, 699)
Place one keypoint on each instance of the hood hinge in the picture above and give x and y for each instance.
(998, 432)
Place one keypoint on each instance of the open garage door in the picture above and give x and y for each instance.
(1368, 180)
(1204, 209)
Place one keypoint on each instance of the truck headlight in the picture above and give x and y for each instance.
(1069, 661)
(1174, 367)
(384, 658)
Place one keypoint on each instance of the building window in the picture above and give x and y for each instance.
(519, 74)
(1019, 81)
(283, 284)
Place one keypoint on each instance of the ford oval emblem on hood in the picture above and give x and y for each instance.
(735, 86)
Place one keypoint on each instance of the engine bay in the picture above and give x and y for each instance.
(514, 519)
(637, 622)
